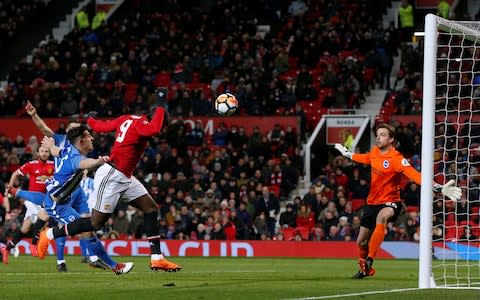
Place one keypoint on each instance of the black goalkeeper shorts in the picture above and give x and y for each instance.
(370, 212)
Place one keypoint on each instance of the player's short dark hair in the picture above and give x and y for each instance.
(390, 128)
(76, 132)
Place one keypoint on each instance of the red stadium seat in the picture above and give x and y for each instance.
(292, 63)
(357, 203)
(130, 92)
(288, 233)
(303, 231)
(369, 75)
(275, 189)
(412, 208)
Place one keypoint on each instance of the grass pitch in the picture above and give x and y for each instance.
(217, 278)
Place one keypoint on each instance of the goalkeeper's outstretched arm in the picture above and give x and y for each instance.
(449, 189)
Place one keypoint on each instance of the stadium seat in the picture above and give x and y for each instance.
(413, 208)
(357, 203)
(130, 92)
(369, 76)
(230, 232)
(303, 231)
(275, 189)
(292, 63)
(162, 79)
(288, 233)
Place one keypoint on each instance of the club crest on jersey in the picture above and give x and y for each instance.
(386, 164)
(405, 162)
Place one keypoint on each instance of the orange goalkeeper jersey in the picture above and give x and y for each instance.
(387, 170)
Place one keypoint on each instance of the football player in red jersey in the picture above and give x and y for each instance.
(116, 179)
(38, 171)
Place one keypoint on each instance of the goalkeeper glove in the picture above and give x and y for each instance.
(344, 151)
(449, 190)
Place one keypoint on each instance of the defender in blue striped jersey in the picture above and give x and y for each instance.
(70, 162)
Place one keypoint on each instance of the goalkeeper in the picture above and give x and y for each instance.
(383, 201)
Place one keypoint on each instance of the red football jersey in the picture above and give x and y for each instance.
(131, 133)
(38, 172)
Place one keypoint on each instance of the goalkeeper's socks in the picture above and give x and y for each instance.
(60, 242)
(376, 240)
(37, 226)
(95, 247)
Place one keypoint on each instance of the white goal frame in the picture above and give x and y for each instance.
(432, 24)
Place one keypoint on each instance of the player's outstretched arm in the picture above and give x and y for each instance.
(41, 125)
(101, 125)
(449, 190)
(343, 150)
(90, 163)
(14, 177)
(153, 127)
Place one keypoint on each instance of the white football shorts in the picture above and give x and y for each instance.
(32, 210)
(109, 185)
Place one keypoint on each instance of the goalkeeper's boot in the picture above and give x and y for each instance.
(359, 274)
(5, 253)
(165, 265)
(123, 268)
(42, 245)
(62, 267)
(368, 266)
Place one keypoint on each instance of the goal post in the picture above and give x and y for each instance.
(428, 130)
(450, 141)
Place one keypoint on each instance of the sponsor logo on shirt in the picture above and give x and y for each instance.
(386, 164)
(405, 162)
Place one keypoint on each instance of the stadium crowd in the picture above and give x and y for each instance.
(233, 185)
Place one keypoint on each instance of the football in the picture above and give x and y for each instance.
(226, 104)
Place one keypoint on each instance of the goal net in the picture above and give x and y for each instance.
(449, 231)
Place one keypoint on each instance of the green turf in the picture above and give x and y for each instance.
(215, 278)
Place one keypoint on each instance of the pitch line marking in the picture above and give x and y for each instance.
(357, 294)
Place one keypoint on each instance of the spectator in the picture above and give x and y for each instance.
(443, 9)
(334, 234)
(411, 195)
(288, 217)
(82, 19)
(401, 234)
(317, 234)
(467, 235)
(268, 204)
(120, 223)
(406, 17)
(260, 225)
(297, 8)
(305, 217)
